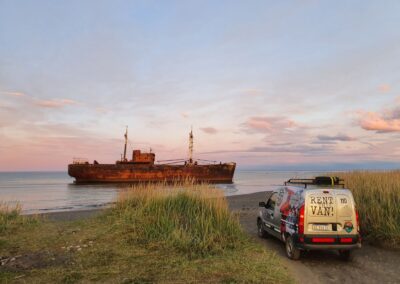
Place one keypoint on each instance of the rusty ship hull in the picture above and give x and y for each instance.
(134, 173)
(142, 168)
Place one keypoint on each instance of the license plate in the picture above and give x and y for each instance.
(320, 227)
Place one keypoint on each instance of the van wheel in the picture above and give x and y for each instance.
(346, 255)
(260, 230)
(291, 251)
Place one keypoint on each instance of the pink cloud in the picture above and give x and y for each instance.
(387, 120)
(14, 94)
(265, 123)
(376, 121)
(101, 110)
(209, 130)
(384, 88)
(55, 103)
(253, 92)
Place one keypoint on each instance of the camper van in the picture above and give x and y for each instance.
(311, 214)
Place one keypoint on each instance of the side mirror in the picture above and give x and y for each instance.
(261, 204)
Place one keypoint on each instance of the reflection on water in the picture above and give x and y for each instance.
(55, 191)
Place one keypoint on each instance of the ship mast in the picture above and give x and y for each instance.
(191, 146)
(126, 142)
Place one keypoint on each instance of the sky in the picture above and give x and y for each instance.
(299, 85)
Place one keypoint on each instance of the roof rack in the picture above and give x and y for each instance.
(322, 180)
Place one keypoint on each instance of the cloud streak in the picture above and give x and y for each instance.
(264, 124)
(338, 137)
(55, 103)
(14, 94)
(300, 149)
(209, 130)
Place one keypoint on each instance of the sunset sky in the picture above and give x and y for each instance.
(267, 84)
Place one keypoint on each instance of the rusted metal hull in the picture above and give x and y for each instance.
(132, 173)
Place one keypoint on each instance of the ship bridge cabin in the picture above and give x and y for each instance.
(142, 158)
(139, 158)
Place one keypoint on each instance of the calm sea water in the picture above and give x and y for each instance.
(40, 192)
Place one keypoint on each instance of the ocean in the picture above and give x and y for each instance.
(40, 192)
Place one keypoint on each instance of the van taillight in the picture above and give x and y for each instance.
(301, 220)
(346, 240)
(323, 240)
(358, 222)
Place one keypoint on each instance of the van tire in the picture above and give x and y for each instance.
(346, 255)
(260, 230)
(291, 251)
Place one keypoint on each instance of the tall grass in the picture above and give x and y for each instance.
(377, 196)
(193, 218)
(11, 218)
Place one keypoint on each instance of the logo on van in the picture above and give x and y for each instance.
(348, 227)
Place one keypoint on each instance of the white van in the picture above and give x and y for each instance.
(311, 214)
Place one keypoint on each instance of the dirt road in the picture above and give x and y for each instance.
(370, 264)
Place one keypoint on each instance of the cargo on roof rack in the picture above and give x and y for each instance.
(322, 180)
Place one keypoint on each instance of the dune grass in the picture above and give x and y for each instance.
(195, 220)
(11, 218)
(377, 196)
(181, 233)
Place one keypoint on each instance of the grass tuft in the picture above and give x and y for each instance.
(192, 218)
(11, 218)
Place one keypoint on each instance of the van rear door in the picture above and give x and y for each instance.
(329, 211)
(320, 212)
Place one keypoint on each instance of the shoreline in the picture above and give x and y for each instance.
(245, 201)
